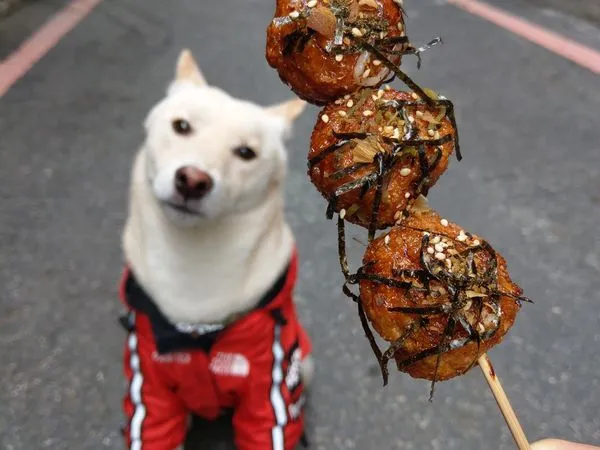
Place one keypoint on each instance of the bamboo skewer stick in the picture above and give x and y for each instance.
(503, 403)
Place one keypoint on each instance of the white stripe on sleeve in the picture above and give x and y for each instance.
(277, 400)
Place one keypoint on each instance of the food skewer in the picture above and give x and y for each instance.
(503, 403)
(441, 297)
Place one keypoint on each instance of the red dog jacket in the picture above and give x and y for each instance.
(251, 365)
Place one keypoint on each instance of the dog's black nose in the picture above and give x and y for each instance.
(192, 183)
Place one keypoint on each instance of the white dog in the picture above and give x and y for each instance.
(211, 270)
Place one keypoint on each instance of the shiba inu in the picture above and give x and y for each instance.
(211, 267)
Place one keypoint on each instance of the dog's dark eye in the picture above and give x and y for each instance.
(246, 153)
(182, 126)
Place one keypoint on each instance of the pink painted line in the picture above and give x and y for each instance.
(42, 41)
(561, 45)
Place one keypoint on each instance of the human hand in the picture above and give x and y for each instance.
(555, 444)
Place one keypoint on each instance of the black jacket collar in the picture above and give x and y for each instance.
(171, 337)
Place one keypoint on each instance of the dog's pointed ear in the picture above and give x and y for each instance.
(188, 70)
(289, 110)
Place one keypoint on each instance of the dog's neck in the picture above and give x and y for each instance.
(207, 273)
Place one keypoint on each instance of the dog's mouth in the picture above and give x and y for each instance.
(183, 208)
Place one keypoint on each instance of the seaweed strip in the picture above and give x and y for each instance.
(377, 199)
(392, 41)
(425, 310)
(399, 73)
(397, 345)
(348, 171)
(383, 280)
(451, 116)
(346, 290)
(355, 184)
(342, 247)
(331, 205)
(431, 352)
(448, 331)
(326, 152)
(351, 135)
(367, 329)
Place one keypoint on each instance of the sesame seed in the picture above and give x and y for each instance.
(442, 290)
(387, 239)
(339, 57)
(407, 195)
(436, 135)
(294, 14)
(374, 97)
(444, 222)
(387, 87)
(411, 119)
(380, 93)
(342, 214)
(461, 238)
(415, 96)
(405, 171)
(388, 129)
(420, 114)
(400, 26)
(439, 247)
(342, 113)
(338, 102)
(476, 242)
(382, 35)
(366, 73)
(312, 3)
(376, 62)
(440, 256)
(435, 240)
(397, 215)
(350, 104)
(346, 97)
(346, 41)
(325, 118)
(356, 32)
(396, 134)
(430, 250)
(380, 129)
(430, 133)
(448, 264)
(367, 113)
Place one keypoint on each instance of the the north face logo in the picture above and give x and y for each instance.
(232, 364)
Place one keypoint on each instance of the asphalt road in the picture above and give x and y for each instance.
(529, 183)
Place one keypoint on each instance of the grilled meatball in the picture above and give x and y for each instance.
(460, 298)
(413, 141)
(316, 45)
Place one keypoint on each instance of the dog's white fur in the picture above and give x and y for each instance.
(218, 258)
